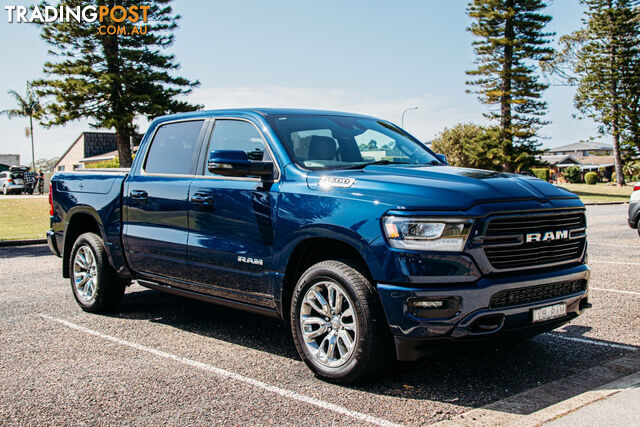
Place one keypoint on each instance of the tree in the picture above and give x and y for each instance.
(511, 37)
(603, 60)
(28, 106)
(111, 79)
(471, 146)
(47, 165)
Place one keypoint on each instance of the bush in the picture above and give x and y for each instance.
(631, 171)
(113, 163)
(542, 173)
(572, 174)
(591, 178)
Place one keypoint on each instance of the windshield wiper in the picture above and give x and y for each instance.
(379, 162)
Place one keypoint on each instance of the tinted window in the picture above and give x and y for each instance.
(173, 148)
(238, 135)
(333, 142)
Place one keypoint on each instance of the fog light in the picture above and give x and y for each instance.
(427, 304)
(442, 308)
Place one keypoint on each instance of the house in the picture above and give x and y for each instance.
(90, 147)
(588, 156)
(7, 160)
(89, 162)
(583, 149)
(604, 165)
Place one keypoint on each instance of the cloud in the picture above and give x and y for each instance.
(435, 113)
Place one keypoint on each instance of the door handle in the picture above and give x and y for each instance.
(202, 199)
(138, 194)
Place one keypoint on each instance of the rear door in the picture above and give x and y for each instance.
(155, 202)
(231, 220)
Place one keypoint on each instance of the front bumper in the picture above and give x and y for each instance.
(634, 213)
(473, 319)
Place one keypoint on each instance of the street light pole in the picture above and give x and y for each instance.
(404, 112)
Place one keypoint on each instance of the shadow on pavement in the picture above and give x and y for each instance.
(469, 375)
(24, 251)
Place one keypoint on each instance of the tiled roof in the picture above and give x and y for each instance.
(97, 143)
(595, 160)
(581, 146)
(557, 159)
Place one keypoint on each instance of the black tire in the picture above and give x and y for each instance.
(106, 287)
(371, 349)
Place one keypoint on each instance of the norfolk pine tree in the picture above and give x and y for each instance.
(511, 39)
(603, 60)
(111, 79)
(607, 66)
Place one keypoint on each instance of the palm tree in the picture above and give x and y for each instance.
(28, 106)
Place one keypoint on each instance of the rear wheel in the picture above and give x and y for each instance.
(337, 323)
(95, 285)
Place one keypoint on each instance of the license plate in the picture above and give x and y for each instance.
(549, 312)
(19, 181)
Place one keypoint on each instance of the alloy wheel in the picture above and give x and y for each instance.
(329, 324)
(85, 273)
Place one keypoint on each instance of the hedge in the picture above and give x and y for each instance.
(542, 173)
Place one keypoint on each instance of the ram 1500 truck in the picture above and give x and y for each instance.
(346, 226)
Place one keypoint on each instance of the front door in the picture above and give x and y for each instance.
(231, 220)
(155, 201)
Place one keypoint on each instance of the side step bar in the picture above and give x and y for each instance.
(209, 298)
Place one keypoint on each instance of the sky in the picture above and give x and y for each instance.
(375, 57)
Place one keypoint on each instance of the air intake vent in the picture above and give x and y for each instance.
(510, 297)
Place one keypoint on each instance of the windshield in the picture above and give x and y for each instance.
(338, 142)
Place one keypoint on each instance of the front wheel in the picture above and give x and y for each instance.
(337, 322)
(95, 285)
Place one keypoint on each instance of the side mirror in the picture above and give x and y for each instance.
(236, 163)
(442, 158)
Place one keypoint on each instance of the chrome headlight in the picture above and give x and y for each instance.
(427, 234)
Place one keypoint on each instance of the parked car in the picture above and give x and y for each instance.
(12, 181)
(276, 212)
(634, 208)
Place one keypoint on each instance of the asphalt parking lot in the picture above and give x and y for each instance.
(165, 359)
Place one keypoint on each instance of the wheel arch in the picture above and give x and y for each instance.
(315, 248)
(80, 221)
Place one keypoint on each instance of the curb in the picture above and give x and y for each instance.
(605, 203)
(559, 398)
(561, 409)
(5, 243)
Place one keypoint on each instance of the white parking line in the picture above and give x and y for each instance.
(588, 341)
(228, 374)
(613, 262)
(615, 290)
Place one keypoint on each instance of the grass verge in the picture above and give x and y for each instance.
(599, 193)
(24, 218)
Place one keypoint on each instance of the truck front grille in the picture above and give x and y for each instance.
(510, 297)
(506, 245)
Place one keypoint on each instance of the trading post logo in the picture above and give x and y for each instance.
(113, 19)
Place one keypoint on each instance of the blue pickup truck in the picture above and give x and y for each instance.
(345, 226)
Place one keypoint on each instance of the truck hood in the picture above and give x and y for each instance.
(434, 187)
